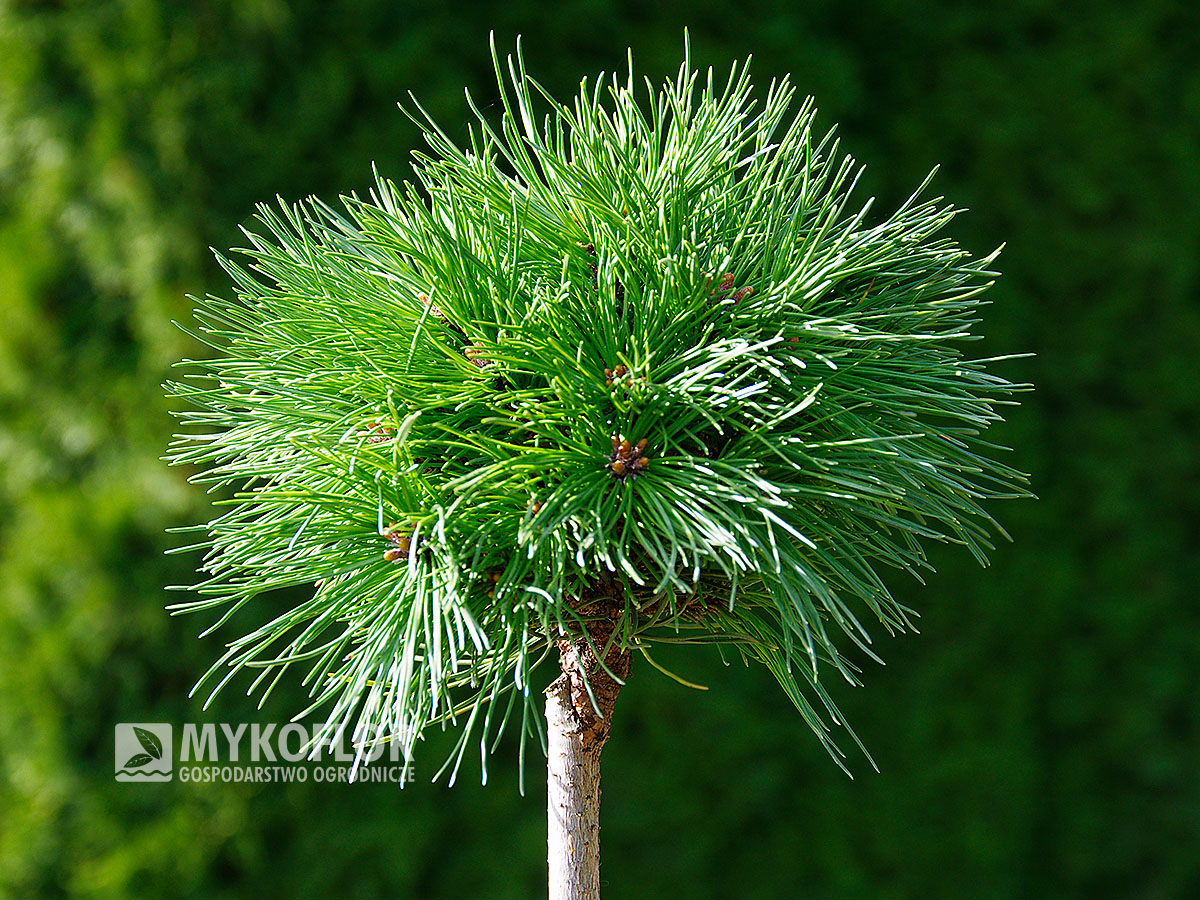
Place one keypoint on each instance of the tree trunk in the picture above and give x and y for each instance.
(576, 734)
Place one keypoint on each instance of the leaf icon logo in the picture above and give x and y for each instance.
(150, 743)
(146, 748)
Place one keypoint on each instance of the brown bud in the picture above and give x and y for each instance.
(475, 355)
(400, 538)
(618, 467)
(379, 432)
(743, 294)
(641, 445)
(433, 309)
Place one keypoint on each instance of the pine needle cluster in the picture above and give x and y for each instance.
(635, 356)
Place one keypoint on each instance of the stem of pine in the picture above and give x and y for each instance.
(577, 731)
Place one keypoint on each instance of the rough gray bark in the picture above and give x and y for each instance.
(576, 734)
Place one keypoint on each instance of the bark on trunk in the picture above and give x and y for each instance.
(575, 736)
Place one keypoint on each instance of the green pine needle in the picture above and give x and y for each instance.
(419, 404)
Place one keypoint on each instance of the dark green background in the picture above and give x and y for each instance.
(1038, 739)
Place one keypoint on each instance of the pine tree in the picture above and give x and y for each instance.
(627, 370)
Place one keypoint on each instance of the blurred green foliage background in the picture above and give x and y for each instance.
(1039, 738)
